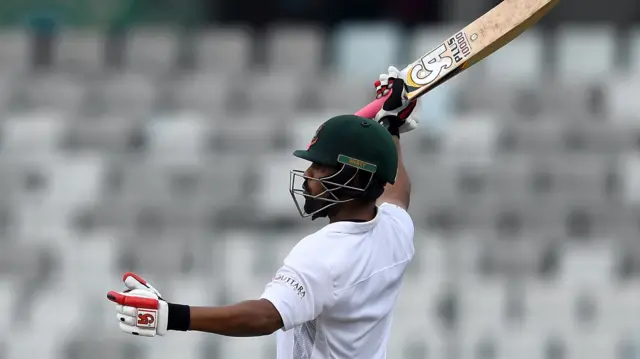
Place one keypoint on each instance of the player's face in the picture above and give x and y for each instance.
(313, 187)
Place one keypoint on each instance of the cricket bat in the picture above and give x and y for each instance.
(481, 38)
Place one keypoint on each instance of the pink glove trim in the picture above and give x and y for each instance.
(370, 110)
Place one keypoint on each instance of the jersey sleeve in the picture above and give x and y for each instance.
(400, 216)
(301, 288)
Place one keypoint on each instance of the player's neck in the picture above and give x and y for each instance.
(353, 213)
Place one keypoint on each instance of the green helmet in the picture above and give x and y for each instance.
(351, 144)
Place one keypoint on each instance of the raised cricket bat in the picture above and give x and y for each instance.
(476, 41)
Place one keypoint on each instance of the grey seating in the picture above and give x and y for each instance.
(600, 136)
(250, 134)
(79, 52)
(206, 93)
(355, 49)
(634, 60)
(472, 182)
(509, 178)
(276, 93)
(295, 49)
(114, 347)
(7, 89)
(21, 260)
(55, 92)
(573, 98)
(29, 134)
(128, 94)
(111, 135)
(620, 90)
(596, 46)
(226, 50)
(153, 51)
(507, 99)
(162, 257)
(177, 138)
(345, 96)
(533, 137)
(15, 52)
(573, 177)
(521, 61)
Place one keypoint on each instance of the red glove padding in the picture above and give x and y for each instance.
(140, 308)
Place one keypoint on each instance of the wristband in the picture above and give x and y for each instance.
(394, 130)
(179, 317)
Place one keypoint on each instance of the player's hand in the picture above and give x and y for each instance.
(396, 111)
(140, 308)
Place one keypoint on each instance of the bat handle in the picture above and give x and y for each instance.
(370, 110)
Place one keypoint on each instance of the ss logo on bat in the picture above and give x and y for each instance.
(430, 67)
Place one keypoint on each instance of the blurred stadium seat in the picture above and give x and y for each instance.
(226, 50)
(594, 46)
(80, 52)
(355, 42)
(521, 61)
(15, 51)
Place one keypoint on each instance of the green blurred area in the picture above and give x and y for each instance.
(46, 14)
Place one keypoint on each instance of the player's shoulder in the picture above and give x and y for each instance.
(394, 210)
(312, 252)
(315, 242)
(398, 215)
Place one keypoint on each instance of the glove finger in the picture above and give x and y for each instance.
(128, 311)
(126, 320)
(132, 300)
(134, 281)
(393, 72)
(384, 80)
(137, 331)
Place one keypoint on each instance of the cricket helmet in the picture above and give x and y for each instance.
(356, 147)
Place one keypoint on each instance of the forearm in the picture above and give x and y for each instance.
(400, 192)
(246, 319)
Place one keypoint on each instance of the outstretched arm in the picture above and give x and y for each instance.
(142, 311)
(398, 193)
(298, 292)
(250, 318)
(395, 115)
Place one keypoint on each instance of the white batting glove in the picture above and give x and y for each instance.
(398, 105)
(140, 308)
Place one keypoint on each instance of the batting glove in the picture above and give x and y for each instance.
(397, 109)
(142, 311)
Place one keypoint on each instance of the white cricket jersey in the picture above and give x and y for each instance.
(338, 287)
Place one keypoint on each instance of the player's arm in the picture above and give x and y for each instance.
(297, 294)
(250, 318)
(395, 115)
(398, 193)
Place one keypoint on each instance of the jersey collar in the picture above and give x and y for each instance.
(355, 226)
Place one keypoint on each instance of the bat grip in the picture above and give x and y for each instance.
(370, 110)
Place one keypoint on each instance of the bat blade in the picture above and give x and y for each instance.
(476, 41)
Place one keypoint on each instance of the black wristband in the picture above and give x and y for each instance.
(389, 125)
(179, 317)
(395, 131)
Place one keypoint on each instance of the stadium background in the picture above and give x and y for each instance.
(156, 136)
